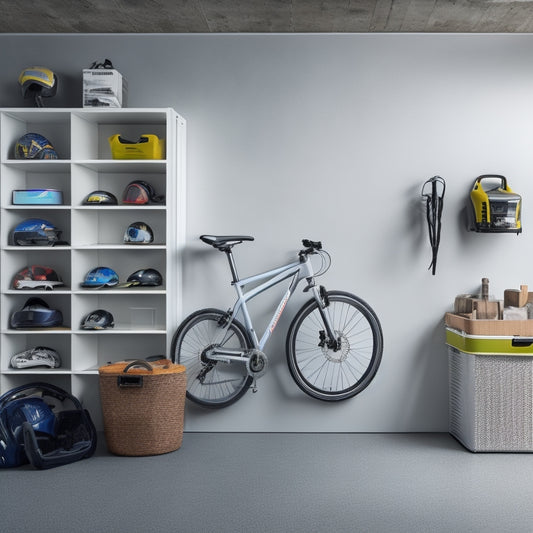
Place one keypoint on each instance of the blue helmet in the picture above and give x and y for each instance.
(36, 232)
(44, 425)
(100, 277)
(34, 146)
(32, 410)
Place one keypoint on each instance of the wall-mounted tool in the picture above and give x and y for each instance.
(434, 205)
(496, 208)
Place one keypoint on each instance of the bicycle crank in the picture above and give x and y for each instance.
(256, 363)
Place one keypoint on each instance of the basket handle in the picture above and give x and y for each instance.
(138, 362)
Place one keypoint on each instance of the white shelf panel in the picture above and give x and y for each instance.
(41, 165)
(36, 371)
(132, 165)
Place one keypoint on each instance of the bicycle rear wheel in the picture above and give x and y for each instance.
(320, 371)
(211, 383)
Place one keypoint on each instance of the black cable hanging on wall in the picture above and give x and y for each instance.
(434, 205)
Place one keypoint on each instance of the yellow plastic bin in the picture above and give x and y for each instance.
(491, 391)
(143, 406)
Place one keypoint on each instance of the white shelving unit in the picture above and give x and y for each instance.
(145, 318)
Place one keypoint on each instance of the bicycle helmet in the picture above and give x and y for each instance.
(146, 277)
(39, 83)
(34, 146)
(100, 277)
(100, 197)
(36, 277)
(138, 233)
(38, 356)
(36, 314)
(141, 192)
(36, 232)
(45, 426)
(99, 319)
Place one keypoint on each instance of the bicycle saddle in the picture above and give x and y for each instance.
(221, 241)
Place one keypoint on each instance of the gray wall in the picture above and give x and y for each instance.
(331, 137)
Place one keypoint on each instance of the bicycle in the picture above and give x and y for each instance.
(334, 343)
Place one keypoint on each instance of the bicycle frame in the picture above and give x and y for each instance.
(298, 270)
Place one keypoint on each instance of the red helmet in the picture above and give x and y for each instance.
(36, 277)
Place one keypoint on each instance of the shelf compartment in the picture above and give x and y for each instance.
(59, 217)
(95, 129)
(16, 258)
(114, 178)
(13, 344)
(93, 351)
(92, 227)
(52, 124)
(32, 177)
(15, 302)
(11, 380)
(131, 314)
(124, 261)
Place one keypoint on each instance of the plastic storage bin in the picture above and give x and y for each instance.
(491, 391)
(143, 406)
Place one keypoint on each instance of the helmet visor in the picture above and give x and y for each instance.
(136, 194)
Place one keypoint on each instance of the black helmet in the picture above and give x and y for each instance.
(146, 277)
(36, 314)
(38, 356)
(100, 197)
(141, 192)
(36, 277)
(98, 319)
(36, 232)
(138, 233)
(39, 83)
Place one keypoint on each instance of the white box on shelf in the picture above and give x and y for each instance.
(104, 87)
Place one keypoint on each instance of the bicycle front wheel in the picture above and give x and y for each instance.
(321, 371)
(211, 383)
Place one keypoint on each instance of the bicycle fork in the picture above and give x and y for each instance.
(327, 337)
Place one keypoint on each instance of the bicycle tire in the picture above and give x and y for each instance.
(223, 383)
(323, 373)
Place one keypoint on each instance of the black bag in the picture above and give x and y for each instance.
(44, 425)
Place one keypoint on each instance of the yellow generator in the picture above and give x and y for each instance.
(496, 208)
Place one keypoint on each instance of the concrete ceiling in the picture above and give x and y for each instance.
(265, 16)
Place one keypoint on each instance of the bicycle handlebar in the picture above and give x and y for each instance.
(310, 246)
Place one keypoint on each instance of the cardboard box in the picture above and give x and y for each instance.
(104, 87)
(489, 327)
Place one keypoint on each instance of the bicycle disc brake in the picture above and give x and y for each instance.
(256, 364)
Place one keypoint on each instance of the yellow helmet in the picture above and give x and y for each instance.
(39, 82)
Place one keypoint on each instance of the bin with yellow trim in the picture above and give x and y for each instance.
(143, 406)
(491, 391)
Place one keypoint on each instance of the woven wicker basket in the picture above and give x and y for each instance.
(143, 406)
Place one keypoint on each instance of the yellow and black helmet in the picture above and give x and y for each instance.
(38, 82)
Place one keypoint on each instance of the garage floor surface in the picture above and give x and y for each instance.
(258, 482)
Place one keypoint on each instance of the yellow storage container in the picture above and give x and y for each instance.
(148, 146)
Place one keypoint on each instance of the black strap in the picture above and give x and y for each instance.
(434, 205)
(106, 64)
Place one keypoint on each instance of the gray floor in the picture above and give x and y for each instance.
(278, 483)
